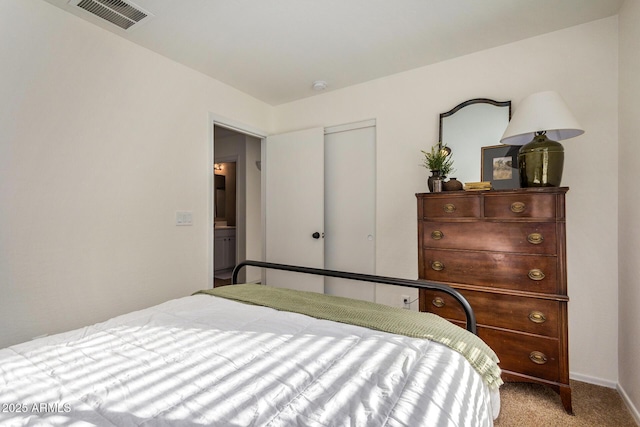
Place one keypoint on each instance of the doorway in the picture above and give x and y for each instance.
(237, 225)
(225, 221)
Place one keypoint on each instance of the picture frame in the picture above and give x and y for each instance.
(499, 165)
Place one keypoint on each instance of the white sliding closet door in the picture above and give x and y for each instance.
(349, 205)
(294, 207)
(321, 181)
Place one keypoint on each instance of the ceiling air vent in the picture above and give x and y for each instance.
(125, 15)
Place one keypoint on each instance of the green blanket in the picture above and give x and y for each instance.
(373, 316)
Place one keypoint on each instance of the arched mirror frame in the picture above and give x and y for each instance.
(476, 151)
(471, 102)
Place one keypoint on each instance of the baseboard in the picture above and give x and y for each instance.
(625, 397)
(593, 380)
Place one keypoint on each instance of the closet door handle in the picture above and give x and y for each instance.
(316, 235)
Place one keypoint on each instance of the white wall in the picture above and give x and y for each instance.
(581, 64)
(101, 143)
(629, 204)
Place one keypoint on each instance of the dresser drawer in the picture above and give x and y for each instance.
(525, 354)
(492, 269)
(451, 207)
(524, 205)
(530, 238)
(532, 315)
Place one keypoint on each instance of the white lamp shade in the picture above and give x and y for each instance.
(541, 112)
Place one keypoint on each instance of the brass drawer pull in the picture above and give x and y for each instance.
(538, 357)
(437, 266)
(518, 207)
(536, 274)
(535, 238)
(438, 302)
(537, 317)
(437, 235)
(449, 208)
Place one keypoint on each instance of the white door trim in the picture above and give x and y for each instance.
(350, 126)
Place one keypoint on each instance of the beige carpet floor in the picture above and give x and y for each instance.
(524, 405)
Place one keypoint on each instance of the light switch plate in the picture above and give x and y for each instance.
(184, 218)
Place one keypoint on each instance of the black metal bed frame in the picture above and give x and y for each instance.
(418, 284)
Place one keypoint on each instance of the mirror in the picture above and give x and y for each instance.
(220, 197)
(225, 196)
(467, 128)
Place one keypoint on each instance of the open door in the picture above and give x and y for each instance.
(294, 217)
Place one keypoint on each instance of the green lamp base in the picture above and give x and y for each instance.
(541, 162)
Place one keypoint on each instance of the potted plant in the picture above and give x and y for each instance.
(438, 160)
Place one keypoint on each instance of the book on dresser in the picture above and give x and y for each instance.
(505, 251)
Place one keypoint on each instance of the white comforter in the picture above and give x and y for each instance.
(204, 360)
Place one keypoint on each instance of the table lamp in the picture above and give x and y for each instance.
(539, 121)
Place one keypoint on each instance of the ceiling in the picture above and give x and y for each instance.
(274, 50)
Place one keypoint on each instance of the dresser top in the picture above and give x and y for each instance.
(529, 190)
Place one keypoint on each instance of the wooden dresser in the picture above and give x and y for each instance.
(504, 250)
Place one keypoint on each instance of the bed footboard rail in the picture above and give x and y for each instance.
(418, 284)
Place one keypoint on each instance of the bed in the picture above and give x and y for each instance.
(226, 357)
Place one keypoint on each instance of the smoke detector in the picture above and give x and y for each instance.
(123, 14)
(319, 85)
